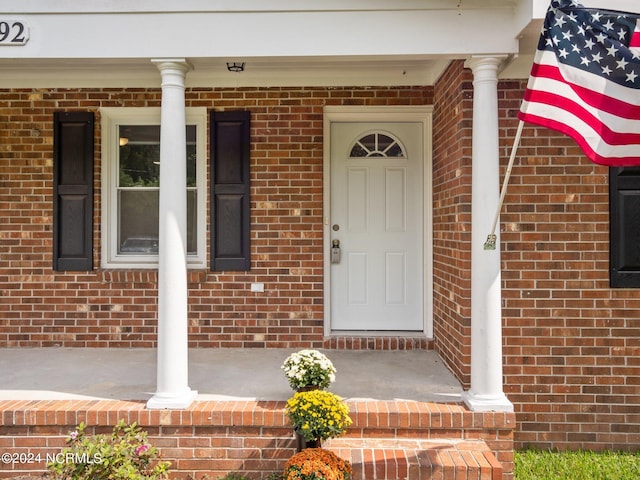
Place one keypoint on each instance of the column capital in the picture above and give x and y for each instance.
(173, 71)
(172, 63)
(479, 63)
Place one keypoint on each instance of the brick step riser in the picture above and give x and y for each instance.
(393, 459)
(213, 451)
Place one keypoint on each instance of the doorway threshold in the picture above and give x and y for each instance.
(377, 340)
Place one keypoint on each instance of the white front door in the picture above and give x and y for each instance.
(376, 216)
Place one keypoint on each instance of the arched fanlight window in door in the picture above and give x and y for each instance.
(377, 144)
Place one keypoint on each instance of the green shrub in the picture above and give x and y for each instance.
(124, 455)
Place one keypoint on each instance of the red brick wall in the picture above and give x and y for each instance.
(453, 110)
(571, 344)
(117, 308)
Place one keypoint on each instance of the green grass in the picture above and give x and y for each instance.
(579, 465)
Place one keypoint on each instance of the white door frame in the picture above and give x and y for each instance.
(419, 114)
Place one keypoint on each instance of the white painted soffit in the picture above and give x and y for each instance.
(75, 43)
(110, 6)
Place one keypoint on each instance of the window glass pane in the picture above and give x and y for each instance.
(138, 195)
(139, 156)
(395, 151)
(192, 224)
(138, 221)
(191, 155)
(369, 142)
(384, 142)
(358, 151)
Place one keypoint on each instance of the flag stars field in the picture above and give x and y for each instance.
(581, 31)
(585, 81)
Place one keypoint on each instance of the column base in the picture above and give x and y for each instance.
(486, 403)
(172, 401)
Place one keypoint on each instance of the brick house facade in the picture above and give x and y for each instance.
(570, 342)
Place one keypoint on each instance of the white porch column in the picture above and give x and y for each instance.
(486, 314)
(172, 390)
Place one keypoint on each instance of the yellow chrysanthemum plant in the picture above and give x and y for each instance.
(318, 414)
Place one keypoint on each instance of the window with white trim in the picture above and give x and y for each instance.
(131, 187)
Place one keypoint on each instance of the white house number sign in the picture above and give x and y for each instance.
(13, 32)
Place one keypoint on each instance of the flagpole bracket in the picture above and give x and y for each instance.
(490, 244)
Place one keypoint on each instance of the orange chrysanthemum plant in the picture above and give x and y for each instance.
(317, 464)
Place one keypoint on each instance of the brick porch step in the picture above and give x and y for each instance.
(389, 439)
(407, 459)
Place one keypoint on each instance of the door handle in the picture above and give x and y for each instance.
(335, 251)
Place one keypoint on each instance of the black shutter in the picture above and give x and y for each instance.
(624, 204)
(73, 191)
(230, 194)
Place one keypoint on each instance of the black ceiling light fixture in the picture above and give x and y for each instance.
(236, 67)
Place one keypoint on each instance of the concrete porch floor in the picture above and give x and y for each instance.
(219, 374)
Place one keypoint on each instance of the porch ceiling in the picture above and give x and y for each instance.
(212, 72)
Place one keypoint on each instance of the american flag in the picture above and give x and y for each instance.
(585, 81)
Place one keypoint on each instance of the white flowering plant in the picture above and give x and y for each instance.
(308, 368)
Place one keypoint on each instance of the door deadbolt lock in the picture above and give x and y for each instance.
(335, 251)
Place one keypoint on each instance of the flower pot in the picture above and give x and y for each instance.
(307, 388)
(302, 443)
